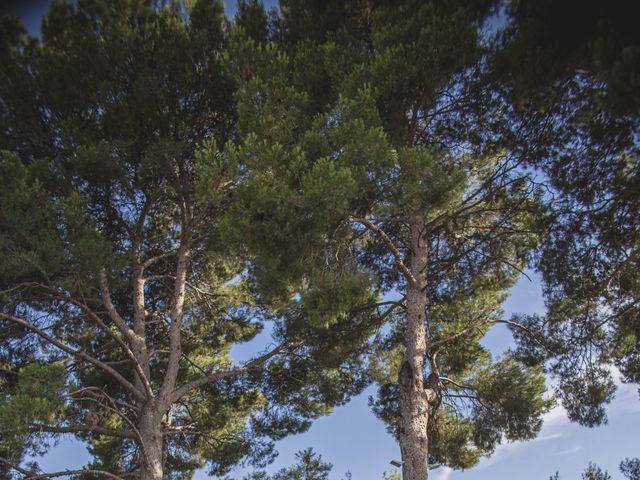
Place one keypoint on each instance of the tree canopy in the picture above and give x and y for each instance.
(363, 180)
(122, 294)
(575, 92)
(388, 170)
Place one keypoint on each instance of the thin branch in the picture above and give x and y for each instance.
(66, 473)
(251, 365)
(508, 263)
(150, 261)
(76, 353)
(134, 336)
(459, 385)
(527, 330)
(82, 428)
(175, 336)
(96, 394)
(390, 245)
(455, 336)
(101, 392)
(380, 304)
(111, 310)
(469, 397)
(144, 377)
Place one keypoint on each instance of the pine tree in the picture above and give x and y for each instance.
(310, 466)
(121, 291)
(594, 472)
(575, 107)
(371, 166)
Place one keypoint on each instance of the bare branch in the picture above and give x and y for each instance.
(134, 336)
(397, 303)
(459, 385)
(150, 261)
(528, 331)
(455, 336)
(508, 263)
(96, 395)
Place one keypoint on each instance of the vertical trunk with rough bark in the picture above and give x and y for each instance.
(150, 423)
(414, 406)
(150, 427)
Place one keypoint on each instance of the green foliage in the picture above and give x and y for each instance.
(394, 475)
(603, 45)
(274, 144)
(593, 472)
(584, 396)
(582, 82)
(351, 117)
(507, 403)
(310, 466)
(28, 224)
(132, 111)
(630, 468)
(39, 399)
(512, 402)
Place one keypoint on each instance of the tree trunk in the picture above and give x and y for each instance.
(150, 428)
(414, 444)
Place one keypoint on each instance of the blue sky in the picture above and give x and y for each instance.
(354, 440)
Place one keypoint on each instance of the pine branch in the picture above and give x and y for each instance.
(77, 353)
(390, 245)
(251, 365)
(66, 473)
(137, 366)
(528, 331)
(111, 309)
(150, 261)
(110, 432)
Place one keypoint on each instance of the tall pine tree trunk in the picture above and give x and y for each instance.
(414, 443)
(150, 427)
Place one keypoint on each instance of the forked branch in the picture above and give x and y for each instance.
(251, 365)
(390, 245)
(76, 353)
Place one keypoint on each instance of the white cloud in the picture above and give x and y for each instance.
(503, 450)
(626, 400)
(442, 474)
(553, 420)
(556, 424)
(569, 451)
(550, 436)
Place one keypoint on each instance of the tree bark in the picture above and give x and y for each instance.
(175, 334)
(150, 427)
(414, 406)
(138, 339)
